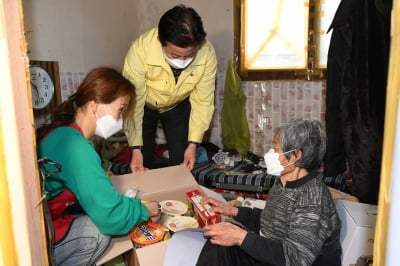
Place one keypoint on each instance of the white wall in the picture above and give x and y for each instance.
(79, 34)
(83, 34)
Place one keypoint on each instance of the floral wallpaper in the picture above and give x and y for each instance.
(271, 104)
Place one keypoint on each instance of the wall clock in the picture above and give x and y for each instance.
(42, 87)
(43, 107)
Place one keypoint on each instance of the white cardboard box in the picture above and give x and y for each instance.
(358, 229)
(158, 184)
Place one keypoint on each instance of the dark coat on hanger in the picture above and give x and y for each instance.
(357, 71)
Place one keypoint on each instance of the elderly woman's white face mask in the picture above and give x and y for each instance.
(272, 162)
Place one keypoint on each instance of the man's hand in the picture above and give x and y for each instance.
(137, 162)
(189, 158)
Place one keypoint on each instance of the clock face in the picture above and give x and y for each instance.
(42, 87)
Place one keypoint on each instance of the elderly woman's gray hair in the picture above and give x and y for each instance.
(307, 136)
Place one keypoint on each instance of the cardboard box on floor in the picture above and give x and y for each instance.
(170, 183)
(339, 195)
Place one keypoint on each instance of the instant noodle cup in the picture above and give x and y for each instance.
(146, 233)
(177, 223)
(173, 207)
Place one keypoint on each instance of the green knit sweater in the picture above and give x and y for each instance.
(112, 212)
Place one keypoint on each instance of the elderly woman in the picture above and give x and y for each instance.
(299, 224)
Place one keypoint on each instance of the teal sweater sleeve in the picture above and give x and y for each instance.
(112, 212)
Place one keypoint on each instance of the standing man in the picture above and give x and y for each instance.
(173, 68)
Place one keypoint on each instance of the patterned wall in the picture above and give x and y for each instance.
(269, 105)
(272, 103)
(70, 82)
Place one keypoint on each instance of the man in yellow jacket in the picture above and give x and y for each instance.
(173, 68)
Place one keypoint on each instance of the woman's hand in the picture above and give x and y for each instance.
(225, 234)
(221, 207)
(137, 162)
(154, 209)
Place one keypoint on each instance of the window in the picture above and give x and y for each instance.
(280, 39)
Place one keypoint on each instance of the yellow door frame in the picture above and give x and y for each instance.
(22, 234)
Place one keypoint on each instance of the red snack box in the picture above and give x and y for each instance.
(203, 211)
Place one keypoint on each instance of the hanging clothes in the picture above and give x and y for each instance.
(356, 93)
(235, 129)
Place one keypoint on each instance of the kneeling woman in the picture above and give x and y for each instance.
(97, 107)
(299, 224)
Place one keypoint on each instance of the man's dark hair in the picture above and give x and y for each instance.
(181, 26)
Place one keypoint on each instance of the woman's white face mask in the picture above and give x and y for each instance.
(107, 126)
(178, 63)
(274, 166)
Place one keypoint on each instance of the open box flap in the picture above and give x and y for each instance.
(152, 255)
(118, 246)
(157, 184)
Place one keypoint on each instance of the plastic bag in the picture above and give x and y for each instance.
(235, 129)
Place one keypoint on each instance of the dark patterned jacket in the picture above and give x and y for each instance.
(298, 226)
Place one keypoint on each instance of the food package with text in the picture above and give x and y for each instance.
(204, 213)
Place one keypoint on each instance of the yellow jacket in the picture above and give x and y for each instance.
(146, 67)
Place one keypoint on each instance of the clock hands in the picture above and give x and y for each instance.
(35, 89)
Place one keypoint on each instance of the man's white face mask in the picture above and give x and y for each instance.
(178, 63)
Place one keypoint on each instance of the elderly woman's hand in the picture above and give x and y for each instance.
(225, 234)
(221, 207)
